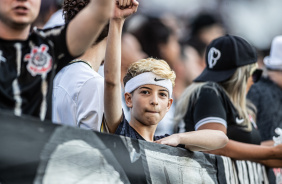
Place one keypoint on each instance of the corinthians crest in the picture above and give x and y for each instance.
(39, 60)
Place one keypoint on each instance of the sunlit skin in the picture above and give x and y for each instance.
(149, 104)
(16, 17)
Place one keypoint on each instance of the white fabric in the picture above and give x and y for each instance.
(209, 120)
(274, 61)
(78, 97)
(148, 78)
(55, 20)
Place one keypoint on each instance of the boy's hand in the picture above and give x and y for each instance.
(172, 140)
(125, 8)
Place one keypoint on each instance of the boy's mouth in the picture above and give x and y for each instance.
(152, 111)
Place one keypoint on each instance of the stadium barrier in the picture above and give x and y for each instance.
(41, 152)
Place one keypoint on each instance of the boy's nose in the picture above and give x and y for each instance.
(154, 99)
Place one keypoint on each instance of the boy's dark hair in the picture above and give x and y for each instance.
(72, 7)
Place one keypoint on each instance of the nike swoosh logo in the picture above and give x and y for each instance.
(239, 121)
(158, 79)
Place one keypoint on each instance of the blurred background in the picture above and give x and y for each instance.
(256, 20)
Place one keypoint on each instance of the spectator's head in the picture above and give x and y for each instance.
(231, 62)
(131, 51)
(224, 56)
(274, 60)
(158, 40)
(18, 14)
(72, 7)
(206, 27)
(158, 69)
(148, 90)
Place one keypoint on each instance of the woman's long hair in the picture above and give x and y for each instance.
(235, 88)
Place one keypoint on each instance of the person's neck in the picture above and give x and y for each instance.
(147, 132)
(14, 33)
(95, 55)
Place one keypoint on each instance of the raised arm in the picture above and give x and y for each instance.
(84, 29)
(202, 140)
(112, 66)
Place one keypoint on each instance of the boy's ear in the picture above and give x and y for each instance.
(169, 103)
(128, 99)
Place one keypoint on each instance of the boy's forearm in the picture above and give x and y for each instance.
(112, 70)
(113, 53)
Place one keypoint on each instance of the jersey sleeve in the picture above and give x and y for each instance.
(57, 37)
(209, 108)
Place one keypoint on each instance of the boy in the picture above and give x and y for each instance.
(148, 90)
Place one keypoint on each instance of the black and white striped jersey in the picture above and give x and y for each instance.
(27, 69)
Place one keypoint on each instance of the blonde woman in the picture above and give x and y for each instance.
(217, 100)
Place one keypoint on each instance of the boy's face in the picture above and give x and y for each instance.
(149, 104)
(18, 13)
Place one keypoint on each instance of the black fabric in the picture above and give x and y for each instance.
(267, 97)
(22, 140)
(33, 147)
(134, 171)
(218, 105)
(126, 130)
(26, 63)
(224, 55)
(29, 148)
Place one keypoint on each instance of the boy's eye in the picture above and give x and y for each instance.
(145, 92)
(163, 94)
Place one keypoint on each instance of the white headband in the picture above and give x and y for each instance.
(148, 78)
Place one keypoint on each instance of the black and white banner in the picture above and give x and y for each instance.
(41, 152)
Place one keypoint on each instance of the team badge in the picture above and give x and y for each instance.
(39, 60)
(213, 57)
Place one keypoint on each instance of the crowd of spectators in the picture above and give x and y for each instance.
(99, 65)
